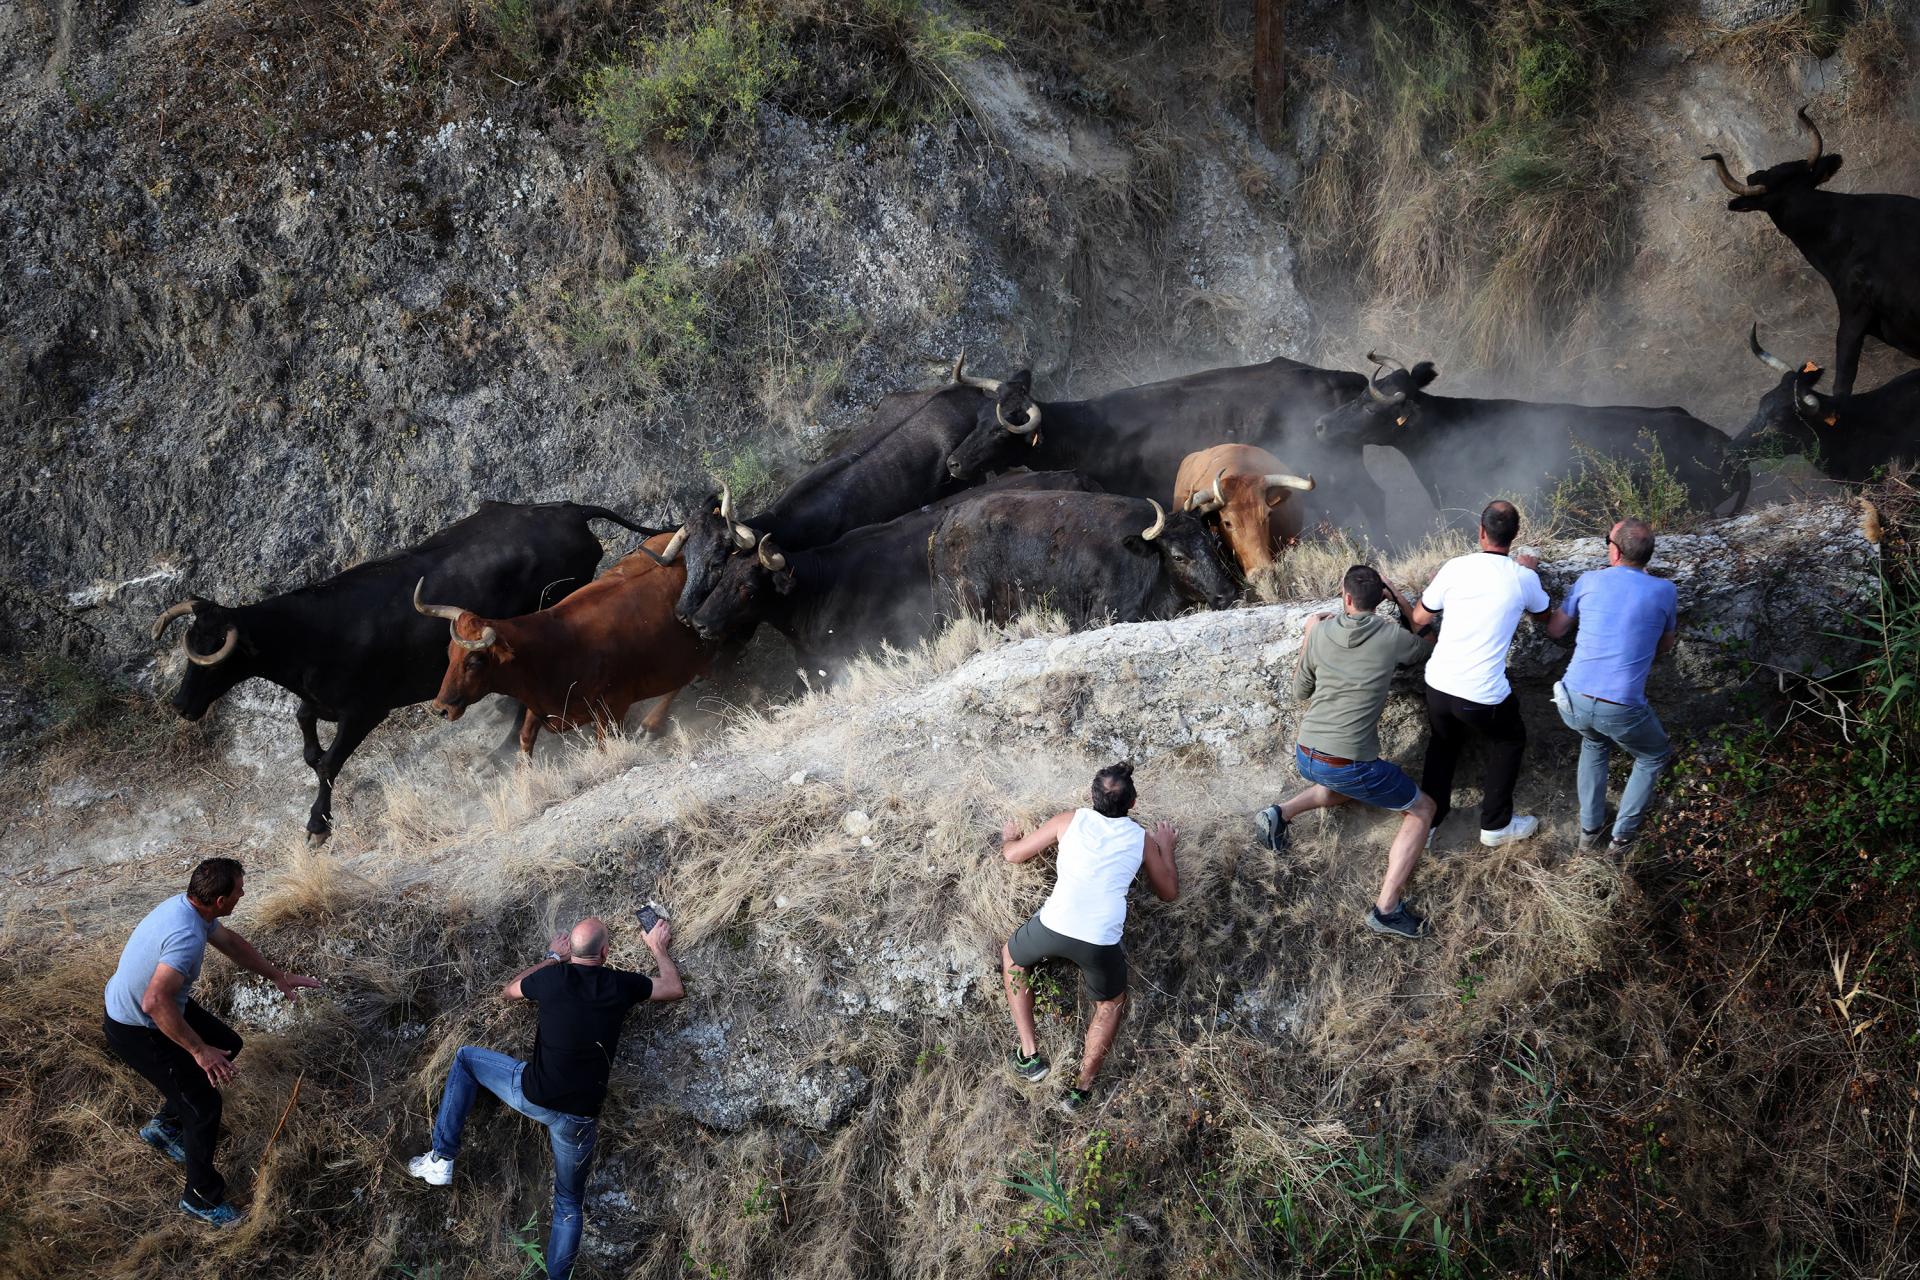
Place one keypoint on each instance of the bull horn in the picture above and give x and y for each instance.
(1374, 391)
(726, 502)
(1198, 501)
(979, 384)
(452, 614)
(1031, 425)
(745, 536)
(1767, 357)
(1219, 499)
(772, 563)
(1819, 145)
(215, 658)
(1281, 480)
(1726, 179)
(1382, 362)
(671, 552)
(173, 611)
(1159, 522)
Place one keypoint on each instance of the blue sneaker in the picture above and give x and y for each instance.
(164, 1138)
(1271, 827)
(221, 1215)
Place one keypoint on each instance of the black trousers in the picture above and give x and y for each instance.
(1453, 722)
(192, 1103)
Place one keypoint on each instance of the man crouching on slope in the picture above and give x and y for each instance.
(1345, 672)
(583, 1005)
(1101, 849)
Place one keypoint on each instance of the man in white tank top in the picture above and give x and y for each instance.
(1101, 849)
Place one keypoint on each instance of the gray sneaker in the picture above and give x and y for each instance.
(1029, 1067)
(1590, 840)
(1271, 826)
(1074, 1100)
(1401, 922)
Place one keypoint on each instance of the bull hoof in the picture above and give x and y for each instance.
(317, 838)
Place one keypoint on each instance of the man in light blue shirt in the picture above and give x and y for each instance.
(155, 1026)
(1627, 617)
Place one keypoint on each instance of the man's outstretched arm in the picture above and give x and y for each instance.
(1015, 847)
(1163, 875)
(667, 986)
(247, 956)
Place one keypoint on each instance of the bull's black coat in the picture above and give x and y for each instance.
(352, 649)
(1852, 437)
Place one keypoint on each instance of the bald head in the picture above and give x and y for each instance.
(590, 939)
(1499, 523)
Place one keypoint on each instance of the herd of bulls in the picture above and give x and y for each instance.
(908, 525)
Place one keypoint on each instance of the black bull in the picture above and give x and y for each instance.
(895, 466)
(1132, 441)
(868, 588)
(352, 648)
(1466, 451)
(1851, 437)
(1864, 246)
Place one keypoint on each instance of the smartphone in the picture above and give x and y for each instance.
(648, 918)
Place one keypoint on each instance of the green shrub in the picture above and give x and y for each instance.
(662, 320)
(1611, 488)
(688, 85)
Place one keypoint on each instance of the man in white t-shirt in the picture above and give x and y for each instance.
(1479, 598)
(1101, 849)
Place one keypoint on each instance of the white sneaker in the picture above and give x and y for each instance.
(1521, 828)
(431, 1169)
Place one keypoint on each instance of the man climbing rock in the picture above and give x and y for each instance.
(1627, 618)
(583, 1004)
(1101, 850)
(155, 1026)
(1344, 673)
(1483, 595)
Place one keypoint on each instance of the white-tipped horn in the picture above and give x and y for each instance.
(487, 637)
(772, 562)
(1819, 145)
(1219, 499)
(1159, 522)
(746, 537)
(726, 502)
(671, 552)
(1027, 428)
(215, 658)
(980, 384)
(452, 615)
(180, 610)
(1281, 480)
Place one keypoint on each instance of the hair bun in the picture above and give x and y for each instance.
(1124, 768)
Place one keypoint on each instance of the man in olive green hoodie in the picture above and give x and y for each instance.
(1345, 670)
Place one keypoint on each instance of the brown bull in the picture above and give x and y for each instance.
(1251, 491)
(612, 643)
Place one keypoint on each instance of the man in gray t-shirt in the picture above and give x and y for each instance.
(154, 1025)
(1344, 673)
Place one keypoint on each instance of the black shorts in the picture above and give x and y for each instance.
(1103, 967)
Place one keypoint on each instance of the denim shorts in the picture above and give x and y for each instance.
(1380, 783)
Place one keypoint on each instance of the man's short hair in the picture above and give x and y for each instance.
(1634, 541)
(1113, 792)
(1500, 521)
(214, 878)
(1364, 586)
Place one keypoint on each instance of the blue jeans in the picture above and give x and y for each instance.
(1603, 726)
(572, 1138)
(1380, 783)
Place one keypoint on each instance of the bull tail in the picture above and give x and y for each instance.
(602, 513)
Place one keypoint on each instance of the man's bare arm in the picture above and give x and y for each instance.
(561, 944)
(161, 1002)
(1558, 624)
(1668, 639)
(1015, 847)
(667, 986)
(247, 956)
(1163, 874)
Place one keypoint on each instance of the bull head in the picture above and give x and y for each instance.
(1781, 174)
(184, 609)
(993, 387)
(452, 614)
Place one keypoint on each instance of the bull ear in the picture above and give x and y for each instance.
(1023, 380)
(783, 581)
(1423, 373)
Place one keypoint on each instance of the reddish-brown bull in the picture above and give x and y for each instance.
(612, 643)
(1251, 491)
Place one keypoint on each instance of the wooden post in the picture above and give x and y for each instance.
(1269, 68)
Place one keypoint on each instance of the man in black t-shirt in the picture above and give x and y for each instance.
(583, 1005)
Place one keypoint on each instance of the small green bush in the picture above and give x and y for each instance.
(662, 320)
(690, 85)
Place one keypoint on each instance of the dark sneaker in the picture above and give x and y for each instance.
(221, 1215)
(164, 1138)
(1272, 828)
(1619, 846)
(1401, 922)
(1590, 840)
(1073, 1100)
(1032, 1068)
